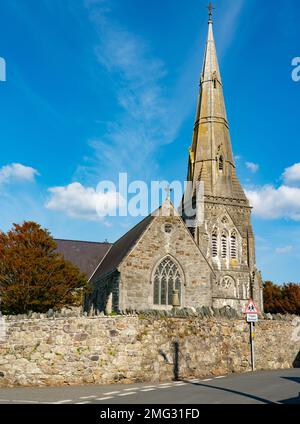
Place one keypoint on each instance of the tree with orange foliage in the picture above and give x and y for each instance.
(33, 275)
(291, 298)
(282, 299)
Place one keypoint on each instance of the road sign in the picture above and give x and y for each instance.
(252, 318)
(251, 308)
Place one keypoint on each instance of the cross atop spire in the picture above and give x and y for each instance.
(210, 8)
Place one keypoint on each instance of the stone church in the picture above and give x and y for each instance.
(212, 264)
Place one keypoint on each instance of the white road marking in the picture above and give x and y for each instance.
(208, 379)
(24, 401)
(132, 388)
(111, 393)
(148, 390)
(127, 394)
(4, 400)
(221, 376)
(82, 403)
(60, 402)
(87, 397)
(148, 387)
(164, 387)
(164, 384)
(105, 398)
(180, 384)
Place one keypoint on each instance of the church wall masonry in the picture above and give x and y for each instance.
(70, 350)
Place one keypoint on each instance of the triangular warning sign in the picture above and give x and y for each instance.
(251, 308)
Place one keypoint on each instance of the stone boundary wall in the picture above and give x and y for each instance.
(39, 350)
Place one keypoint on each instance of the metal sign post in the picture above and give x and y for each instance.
(252, 346)
(252, 317)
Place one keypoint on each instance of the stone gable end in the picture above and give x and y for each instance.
(136, 270)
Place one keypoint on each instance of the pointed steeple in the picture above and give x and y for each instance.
(211, 158)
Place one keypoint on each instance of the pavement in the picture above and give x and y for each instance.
(270, 387)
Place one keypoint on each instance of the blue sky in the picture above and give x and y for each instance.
(98, 87)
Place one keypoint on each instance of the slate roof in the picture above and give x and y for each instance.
(121, 248)
(85, 255)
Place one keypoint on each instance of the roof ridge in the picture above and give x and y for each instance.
(83, 241)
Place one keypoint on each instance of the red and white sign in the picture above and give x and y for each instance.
(251, 308)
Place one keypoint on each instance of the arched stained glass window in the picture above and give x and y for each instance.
(167, 278)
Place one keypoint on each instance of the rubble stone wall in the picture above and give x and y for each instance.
(70, 350)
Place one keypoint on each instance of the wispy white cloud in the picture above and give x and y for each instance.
(253, 167)
(228, 23)
(17, 172)
(284, 250)
(148, 118)
(77, 201)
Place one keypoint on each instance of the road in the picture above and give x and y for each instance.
(274, 387)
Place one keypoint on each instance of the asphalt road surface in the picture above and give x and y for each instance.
(276, 387)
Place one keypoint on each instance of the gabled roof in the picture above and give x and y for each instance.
(121, 248)
(85, 255)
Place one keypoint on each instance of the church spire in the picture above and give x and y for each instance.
(211, 158)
